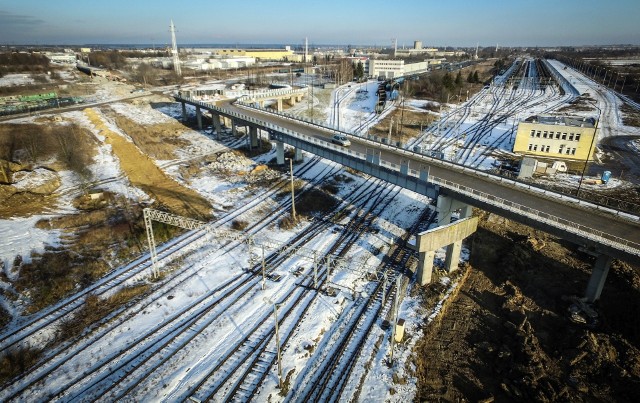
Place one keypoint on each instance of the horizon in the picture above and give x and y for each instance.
(459, 23)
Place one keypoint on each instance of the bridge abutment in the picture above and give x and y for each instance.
(598, 277)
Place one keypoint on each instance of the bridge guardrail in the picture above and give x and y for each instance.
(550, 194)
(587, 232)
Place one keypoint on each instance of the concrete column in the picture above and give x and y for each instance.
(598, 277)
(234, 129)
(446, 205)
(261, 104)
(199, 117)
(425, 267)
(184, 112)
(298, 155)
(279, 104)
(253, 135)
(279, 152)
(376, 158)
(404, 167)
(292, 101)
(424, 175)
(453, 256)
(217, 125)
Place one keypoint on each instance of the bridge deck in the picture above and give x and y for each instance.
(465, 181)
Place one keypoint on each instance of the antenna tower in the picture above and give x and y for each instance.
(174, 50)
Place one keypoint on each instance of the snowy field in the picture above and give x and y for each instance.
(207, 263)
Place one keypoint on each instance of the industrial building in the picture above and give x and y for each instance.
(285, 54)
(394, 68)
(557, 137)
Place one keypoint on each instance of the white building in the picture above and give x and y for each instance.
(69, 58)
(394, 68)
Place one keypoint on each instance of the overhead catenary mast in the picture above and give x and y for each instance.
(174, 50)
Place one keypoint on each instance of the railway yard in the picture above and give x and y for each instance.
(252, 304)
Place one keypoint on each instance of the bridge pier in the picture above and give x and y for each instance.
(297, 155)
(216, 124)
(404, 167)
(445, 206)
(598, 277)
(373, 156)
(184, 112)
(234, 128)
(279, 152)
(450, 235)
(279, 104)
(199, 117)
(253, 137)
(292, 101)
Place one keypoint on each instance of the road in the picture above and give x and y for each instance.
(592, 220)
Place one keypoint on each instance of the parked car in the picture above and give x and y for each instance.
(341, 140)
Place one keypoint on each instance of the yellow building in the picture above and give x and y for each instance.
(259, 54)
(556, 137)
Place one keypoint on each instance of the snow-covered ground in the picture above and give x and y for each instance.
(209, 264)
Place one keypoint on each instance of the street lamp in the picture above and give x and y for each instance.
(275, 317)
(586, 162)
(293, 196)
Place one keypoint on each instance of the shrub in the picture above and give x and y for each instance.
(239, 225)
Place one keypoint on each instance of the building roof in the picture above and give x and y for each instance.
(575, 121)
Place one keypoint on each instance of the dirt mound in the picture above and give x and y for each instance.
(143, 173)
(509, 335)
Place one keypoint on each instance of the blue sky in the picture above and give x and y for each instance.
(434, 22)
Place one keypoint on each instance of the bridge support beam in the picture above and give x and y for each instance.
(292, 101)
(598, 277)
(234, 128)
(184, 112)
(199, 117)
(279, 104)
(446, 205)
(297, 156)
(450, 235)
(279, 152)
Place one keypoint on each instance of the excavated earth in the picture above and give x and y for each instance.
(516, 330)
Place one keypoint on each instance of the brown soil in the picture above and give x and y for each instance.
(143, 173)
(406, 124)
(506, 335)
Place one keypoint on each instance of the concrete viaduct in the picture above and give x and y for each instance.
(603, 232)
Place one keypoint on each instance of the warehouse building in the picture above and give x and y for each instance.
(556, 137)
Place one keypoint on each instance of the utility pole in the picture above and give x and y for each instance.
(293, 196)
(395, 315)
(174, 50)
(264, 280)
(275, 317)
